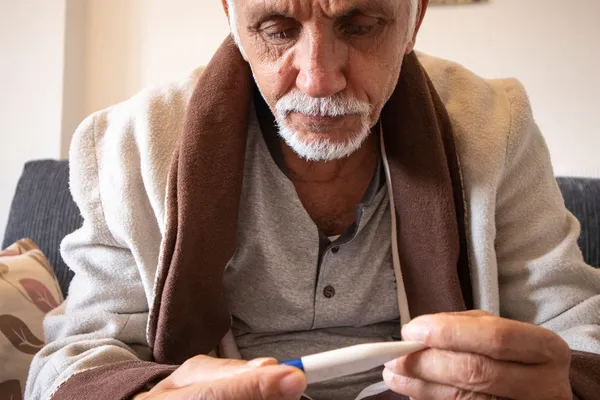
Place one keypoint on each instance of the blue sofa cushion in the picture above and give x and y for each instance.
(43, 210)
(582, 198)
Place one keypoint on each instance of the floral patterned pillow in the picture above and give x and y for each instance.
(28, 290)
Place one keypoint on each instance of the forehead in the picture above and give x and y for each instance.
(308, 8)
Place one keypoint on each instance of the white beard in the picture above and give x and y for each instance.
(322, 148)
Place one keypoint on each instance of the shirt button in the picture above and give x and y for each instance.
(335, 249)
(329, 291)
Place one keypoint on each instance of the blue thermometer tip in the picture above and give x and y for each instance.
(296, 363)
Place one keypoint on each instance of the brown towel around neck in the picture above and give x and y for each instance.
(190, 312)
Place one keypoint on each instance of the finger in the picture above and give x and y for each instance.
(262, 362)
(473, 373)
(498, 338)
(205, 369)
(471, 313)
(419, 389)
(267, 383)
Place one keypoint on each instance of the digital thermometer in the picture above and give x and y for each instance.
(351, 360)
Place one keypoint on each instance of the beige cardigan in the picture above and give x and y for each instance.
(525, 263)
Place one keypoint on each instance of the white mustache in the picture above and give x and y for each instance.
(334, 106)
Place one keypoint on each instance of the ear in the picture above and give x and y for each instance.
(421, 14)
(225, 7)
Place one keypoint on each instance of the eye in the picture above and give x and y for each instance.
(282, 35)
(356, 30)
(280, 31)
(358, 25)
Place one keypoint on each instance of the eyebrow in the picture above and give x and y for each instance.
(266, 11)
(381, 7)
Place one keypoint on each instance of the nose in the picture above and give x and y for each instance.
(320, 61)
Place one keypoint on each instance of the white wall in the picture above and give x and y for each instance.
(74, 76)
(113, 67)
(135, 43)
(31, 86)
(552, 46)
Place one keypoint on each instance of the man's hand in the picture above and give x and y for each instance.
(206, 378)
(475, 355)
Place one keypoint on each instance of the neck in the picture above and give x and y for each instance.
(330, 191)
(349, 169)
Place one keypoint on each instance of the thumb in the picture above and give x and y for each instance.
(266, 383)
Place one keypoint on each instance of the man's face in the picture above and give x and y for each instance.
(325, 67)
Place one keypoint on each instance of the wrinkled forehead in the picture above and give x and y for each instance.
(306, 9)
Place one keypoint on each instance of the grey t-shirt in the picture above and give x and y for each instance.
(292, 292)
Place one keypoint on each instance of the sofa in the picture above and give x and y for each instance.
(43, 210)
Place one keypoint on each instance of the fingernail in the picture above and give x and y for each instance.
(293, 384)
(415, 330)
(388, 375)
(390, 364)
(261, 362)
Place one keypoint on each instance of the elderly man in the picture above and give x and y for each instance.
(317, 186)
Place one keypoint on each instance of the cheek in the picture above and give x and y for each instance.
(274, 79)
(374, 78)
(382, 62)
